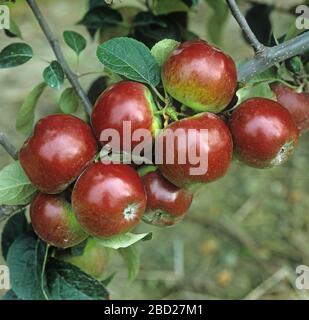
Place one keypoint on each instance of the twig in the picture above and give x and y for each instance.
(273, 55)
(8, 146)
(257, 46)
(59, 55)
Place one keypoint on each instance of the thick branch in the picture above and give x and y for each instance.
(7, 145)
(273, 55)
(60, 57)
(255, 43)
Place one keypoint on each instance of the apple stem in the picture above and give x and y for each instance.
(8, 146)
(60, 57)
(159, 95)
(257, 46)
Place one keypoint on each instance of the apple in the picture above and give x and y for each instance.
(296, 103)
(200, 76)
(59, 149)
(264, 133)
(166, 203)
(108, 199)
(212, 145)
(94, 259)
(54, 222)
(125, 101)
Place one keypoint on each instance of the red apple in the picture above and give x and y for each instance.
(296, 103)
(166, 203)
(125, 101)
(264, 133)
(59, 149)
(54, 222)
(200, 76)
(212, 143)
(108, 199)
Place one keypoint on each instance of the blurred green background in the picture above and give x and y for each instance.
(244, 235)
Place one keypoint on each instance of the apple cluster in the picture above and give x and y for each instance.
(80, 196)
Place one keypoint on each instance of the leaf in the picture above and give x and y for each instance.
(15, 54)
(261, 90)
(131, 258)
(109, 279)
(54, 75)
(14, 227)
(68, 101)
(78, 250)
(162, 49)
(10, 295)
(150, 28)
(124, 240)
(75, 41)
(15, 187)
(258, 18)
(100, 17)
(26, 113)
(14, 30)
(130, 58)
(67, 282)
(216, 23)
(26, 259)
(168, 6)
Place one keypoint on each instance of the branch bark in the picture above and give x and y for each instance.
(273, 55)
(59, 55)
(257, 46)
(8, 146)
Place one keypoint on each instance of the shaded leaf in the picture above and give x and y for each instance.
(15, 187)
(168, 6)
(15, 54)
(68, 101)
(131, 258)
(26, 113)
(75, 41)
(54, 75)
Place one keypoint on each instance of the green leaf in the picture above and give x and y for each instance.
(75, 41)
(14, 227)
(15, 54)
(124, 240)
(68, 101)
(168, 6)
(10, 295)
(54, 75)
(15, 187)
(109, 279)
(26, 259)
(162, 49)
(26, 113)
(216, 23)
(261, 90)
(131, 258)
(67, 282)
(14, 29)
(78, 250)
(130, 58)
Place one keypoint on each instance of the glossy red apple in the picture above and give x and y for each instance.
(54, 222)
(200, 76)
(125, 101)
(108, 199)
(264, 133)
(204, 135)
(166, 203)
(296, 103)
(59, 149)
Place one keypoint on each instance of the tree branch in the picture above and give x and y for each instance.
(60, 57)
(8, 146)
(257, 46)
(273, 55)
